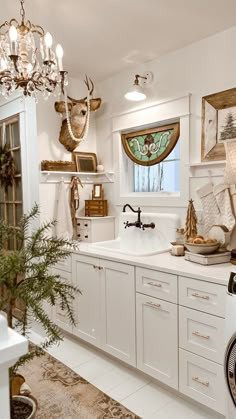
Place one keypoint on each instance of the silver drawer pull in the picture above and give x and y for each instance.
(95, 267)
(149, 303)
(204, 297)
(100, 267)
(204, 383)
(200, 335)
(154, 284)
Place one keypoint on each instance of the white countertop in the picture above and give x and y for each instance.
(165, 262)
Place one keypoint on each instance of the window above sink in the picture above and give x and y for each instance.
(137, 185)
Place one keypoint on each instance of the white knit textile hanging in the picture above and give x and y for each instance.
(64, 227)
(210, 207)
(222, 195)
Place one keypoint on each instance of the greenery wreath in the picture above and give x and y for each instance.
(7, 167)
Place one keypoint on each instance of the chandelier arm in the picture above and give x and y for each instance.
(13, 21)
(38, 29)
(4, 24)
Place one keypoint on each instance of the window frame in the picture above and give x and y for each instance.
(177, 110)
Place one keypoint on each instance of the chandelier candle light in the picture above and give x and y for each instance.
(27, 60)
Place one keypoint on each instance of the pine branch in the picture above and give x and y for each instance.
(26, 274)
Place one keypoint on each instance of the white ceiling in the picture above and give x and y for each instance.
(104, 37)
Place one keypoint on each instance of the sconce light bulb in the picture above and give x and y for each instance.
(48, 40)
(59, 51)
(13, 33)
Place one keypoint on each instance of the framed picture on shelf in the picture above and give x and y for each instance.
(85, 162)
(97, 192)
(218, 123)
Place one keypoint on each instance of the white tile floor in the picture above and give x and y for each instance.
(134, 390)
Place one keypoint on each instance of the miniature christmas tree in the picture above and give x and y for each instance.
(191, 221)
(229, 129)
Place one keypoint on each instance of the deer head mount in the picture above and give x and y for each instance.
(78, 114)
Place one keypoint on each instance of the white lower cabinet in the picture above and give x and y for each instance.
(202, 380)
(181, 345)
(86, 276)
(106, 308)
(157, 338)
(59, 316)
(118, 310)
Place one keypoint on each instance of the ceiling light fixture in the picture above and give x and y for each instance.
(136, 92)
(27, 60)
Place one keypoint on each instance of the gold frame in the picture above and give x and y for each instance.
(211, 150)
(169, 148)
(97, 187)
(82, 158)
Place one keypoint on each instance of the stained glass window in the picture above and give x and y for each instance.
(151, 146)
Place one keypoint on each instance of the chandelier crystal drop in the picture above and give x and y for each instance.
(27, 60)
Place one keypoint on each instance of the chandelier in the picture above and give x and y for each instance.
(27, 60)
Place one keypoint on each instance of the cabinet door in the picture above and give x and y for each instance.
(157, 342)
(86, 276)
(59, 316)
(118, 310)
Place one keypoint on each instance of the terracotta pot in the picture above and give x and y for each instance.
(29, 401)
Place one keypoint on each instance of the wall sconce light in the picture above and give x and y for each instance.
(137, 91)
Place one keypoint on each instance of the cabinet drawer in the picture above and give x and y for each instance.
(203, 296)
(64, 265)
(86, 224)
(157, 284)
(83, 224)
(202, 334)
(202, 380)
(86, 236)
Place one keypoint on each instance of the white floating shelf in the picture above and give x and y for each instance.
(208, 163)
(52, 176)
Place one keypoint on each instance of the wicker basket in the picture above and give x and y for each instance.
(58, 166)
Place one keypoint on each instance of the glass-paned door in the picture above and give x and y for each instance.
(11, 199)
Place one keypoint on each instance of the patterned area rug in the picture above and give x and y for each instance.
(63, 394)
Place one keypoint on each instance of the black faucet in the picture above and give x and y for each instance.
(151, 225)
(137, 223)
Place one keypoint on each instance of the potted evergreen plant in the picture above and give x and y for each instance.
(26, 278)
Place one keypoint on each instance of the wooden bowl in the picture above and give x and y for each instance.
(202, 248)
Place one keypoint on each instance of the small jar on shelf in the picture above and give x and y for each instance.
(180, 237)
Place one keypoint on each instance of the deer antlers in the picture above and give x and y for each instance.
(86, 81)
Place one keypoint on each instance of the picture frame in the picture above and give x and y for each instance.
(218, 124)
(97, 192)
(85, 162)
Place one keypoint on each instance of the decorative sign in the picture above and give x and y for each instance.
(152, 145)
(218, 123)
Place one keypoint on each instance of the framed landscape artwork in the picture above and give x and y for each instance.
(218, 123)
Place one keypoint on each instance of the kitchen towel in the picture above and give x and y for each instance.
(64, 227)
